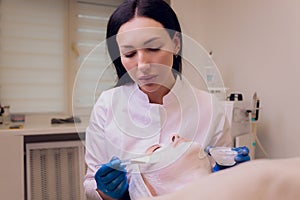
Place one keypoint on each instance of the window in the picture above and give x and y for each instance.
(94, 72)
(43, 44)
(32, 55)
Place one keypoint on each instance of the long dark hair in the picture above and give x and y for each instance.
(158, 10)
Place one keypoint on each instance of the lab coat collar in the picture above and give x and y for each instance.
(175, 91)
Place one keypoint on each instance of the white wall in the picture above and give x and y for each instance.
(256, 45)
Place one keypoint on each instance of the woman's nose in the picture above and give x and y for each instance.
(143, 61)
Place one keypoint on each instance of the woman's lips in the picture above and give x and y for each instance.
(148, 79)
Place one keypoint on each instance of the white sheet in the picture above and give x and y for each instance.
(258, 179)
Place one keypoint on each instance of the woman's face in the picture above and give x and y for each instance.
(147, 53)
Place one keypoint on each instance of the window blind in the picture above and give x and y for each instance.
(94, 72)
(32, 55)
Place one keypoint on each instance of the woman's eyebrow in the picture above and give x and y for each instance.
(127, 46)
(151, 40)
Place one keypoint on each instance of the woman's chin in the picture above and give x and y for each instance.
(150, 87)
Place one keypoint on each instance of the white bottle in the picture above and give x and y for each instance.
(6, 115)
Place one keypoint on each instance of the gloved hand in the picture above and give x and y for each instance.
(112, 180)
(242, 156)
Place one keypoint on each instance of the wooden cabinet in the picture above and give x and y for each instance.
(12, 167)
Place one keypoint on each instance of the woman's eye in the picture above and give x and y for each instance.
(129, 54)
(154, 49)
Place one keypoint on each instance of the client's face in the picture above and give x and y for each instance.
(181, 160)
(174, 141)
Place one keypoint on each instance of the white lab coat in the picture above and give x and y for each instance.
(123, 123)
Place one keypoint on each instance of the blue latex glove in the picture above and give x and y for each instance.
(112, 180)
(242, 156)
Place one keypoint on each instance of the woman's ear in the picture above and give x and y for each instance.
(177, 43)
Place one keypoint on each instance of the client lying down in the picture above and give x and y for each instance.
(181, 163)
(158, 178)
(258, 179)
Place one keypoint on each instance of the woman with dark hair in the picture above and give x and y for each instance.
(151, 102)
(156, 10)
